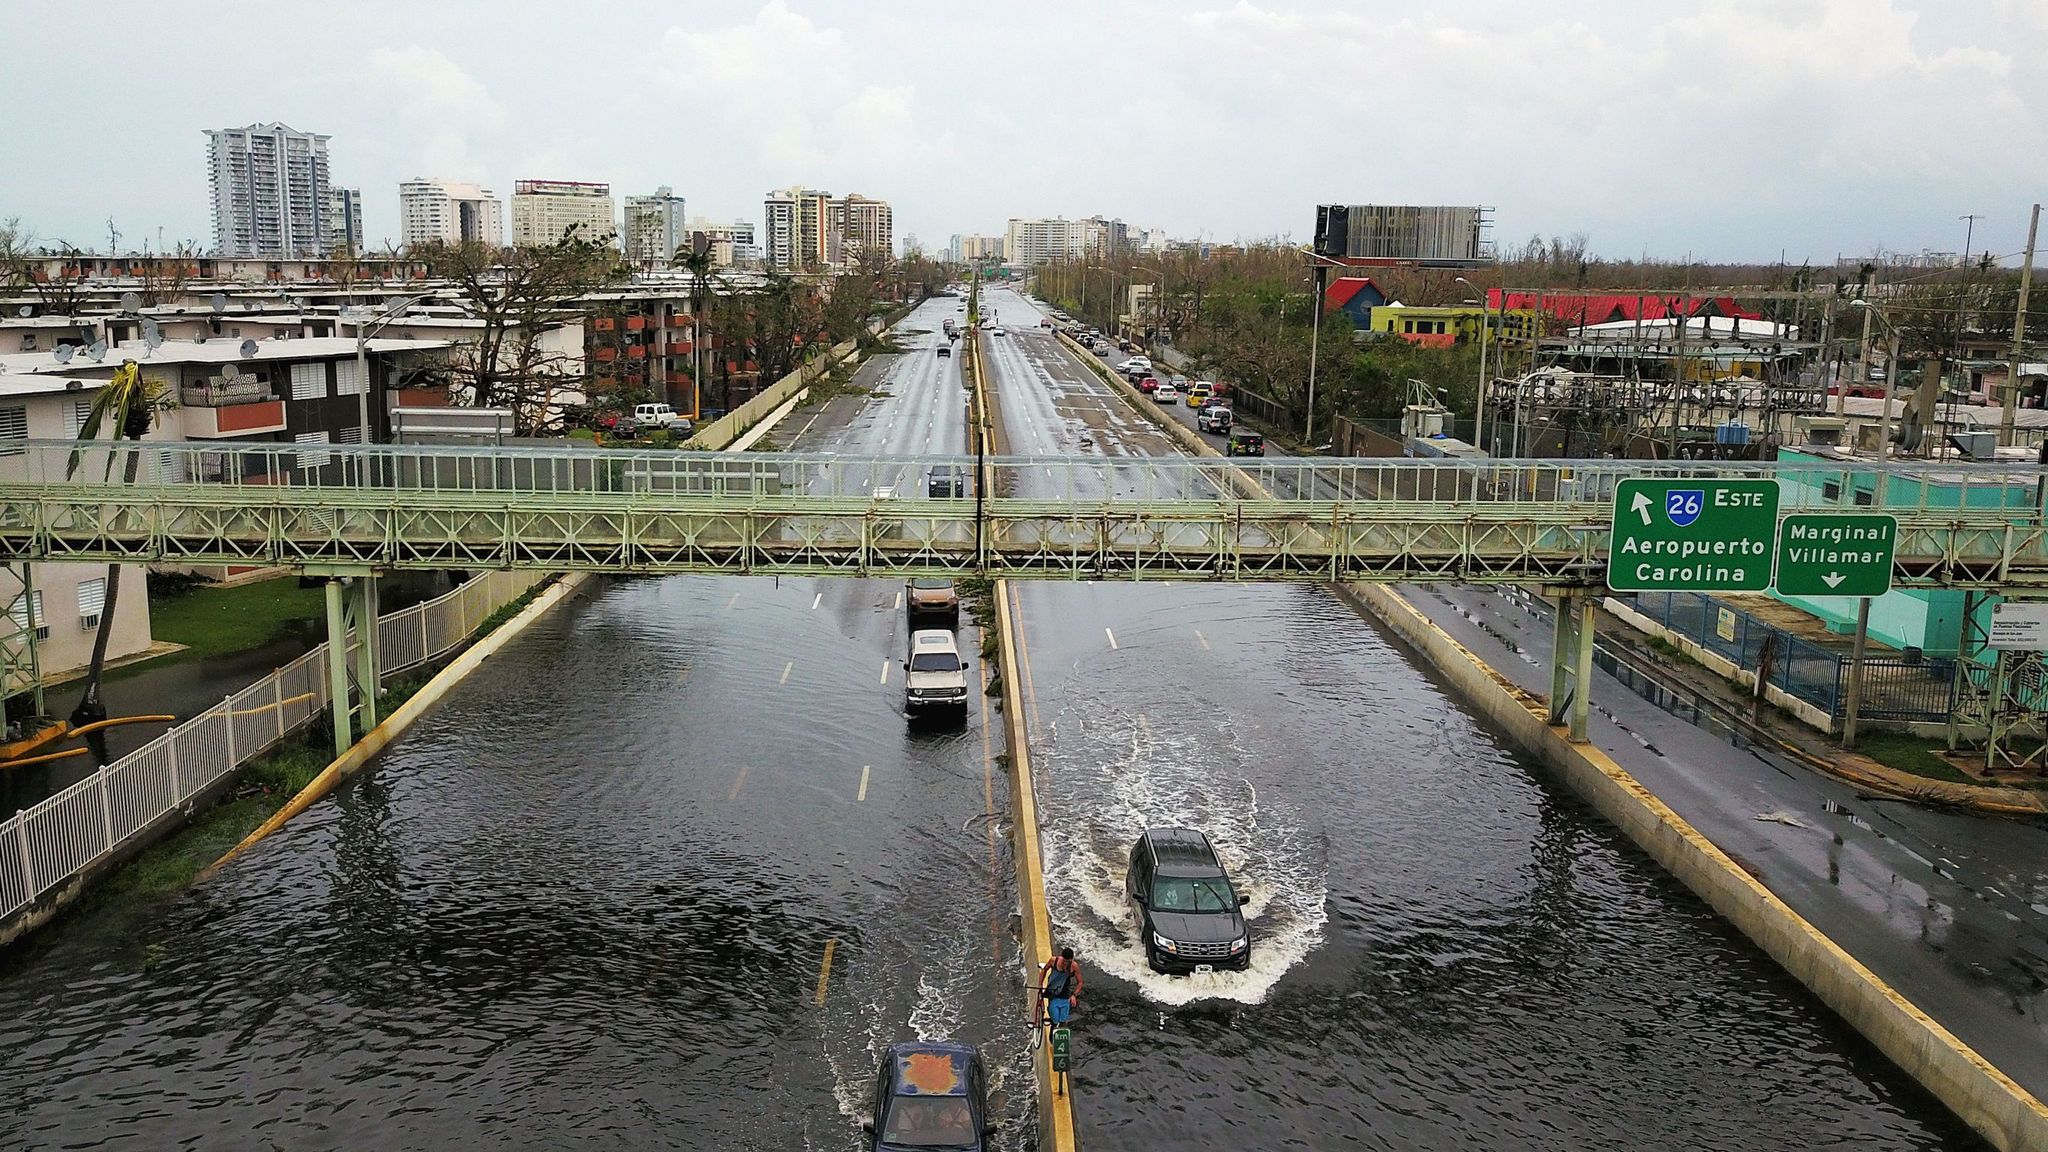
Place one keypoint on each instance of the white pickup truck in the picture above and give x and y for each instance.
(660, 417)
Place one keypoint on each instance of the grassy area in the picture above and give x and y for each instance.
(1911, 754)
(214, 621)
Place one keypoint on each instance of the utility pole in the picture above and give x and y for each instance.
(2010, 416)
(1969, 232)
(1315, 333)
(1863, 359)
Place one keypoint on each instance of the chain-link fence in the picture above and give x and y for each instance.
(44, 846)
(1901, 688)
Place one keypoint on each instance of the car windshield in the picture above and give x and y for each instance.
(929, 1122)
(935, 662)
(1192, 894)
(925, 585)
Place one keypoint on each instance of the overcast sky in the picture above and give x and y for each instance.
(1727, 130)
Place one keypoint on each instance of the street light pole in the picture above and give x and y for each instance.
(1485, 326)
(1315, 332)
(363, 330)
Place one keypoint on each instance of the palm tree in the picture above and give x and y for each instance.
(698, 264)
(128, 406)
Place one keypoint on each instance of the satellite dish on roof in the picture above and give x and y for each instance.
(65, 352)
(247, 350)
(130, 301)
(152, 333)
(299, 302)
(25, 310)
(219, 301)
(96, 351)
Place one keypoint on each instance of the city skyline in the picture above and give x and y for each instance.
(1839, 128)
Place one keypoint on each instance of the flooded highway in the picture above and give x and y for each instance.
(1449, 951)
(671, 869)
(667, 872)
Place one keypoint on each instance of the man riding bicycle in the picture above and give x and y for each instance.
(1059, 985)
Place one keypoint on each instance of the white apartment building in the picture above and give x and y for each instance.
(865, 225)
(1038, 241)
(269, 192)
(654, 228)
(449, 212)
(542, 210)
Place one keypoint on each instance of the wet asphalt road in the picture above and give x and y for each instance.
(1951, 909)
(1449, 950)
(585, 903)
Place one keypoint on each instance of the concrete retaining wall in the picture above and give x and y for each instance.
(1983, 1097)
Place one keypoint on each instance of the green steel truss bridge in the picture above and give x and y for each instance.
(367, 508)
(350, 512)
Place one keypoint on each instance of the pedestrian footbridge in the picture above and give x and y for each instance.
(369, 508)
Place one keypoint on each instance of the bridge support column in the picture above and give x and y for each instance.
(1571, 664)
(337, 665)
(369, 661)
(352, 690)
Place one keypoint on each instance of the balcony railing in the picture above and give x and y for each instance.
(214, 394)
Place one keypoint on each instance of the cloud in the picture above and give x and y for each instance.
(447, 120)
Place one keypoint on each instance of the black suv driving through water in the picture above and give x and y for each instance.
(1188, 915)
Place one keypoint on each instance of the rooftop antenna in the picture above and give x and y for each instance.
(64, 353)
(248, 350)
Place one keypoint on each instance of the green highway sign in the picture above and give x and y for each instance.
(1693, 535)
(1062, 1040)
(1821, 555)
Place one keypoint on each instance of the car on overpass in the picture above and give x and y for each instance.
(930, 1094)
(1189, 917)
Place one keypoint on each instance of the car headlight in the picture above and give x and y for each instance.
(1241, 943)
(1163, 942)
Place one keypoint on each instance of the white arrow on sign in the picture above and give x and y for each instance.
(1641, 507)
(1833, 579)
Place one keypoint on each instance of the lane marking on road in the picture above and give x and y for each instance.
(885, 671)
(1202, 640)
(825, 970)
(899, 601)
(1145, 725)
(817, 600)
(729, 603)
(738, 782)
(1112, 637)
(785, 672)
(861, 796)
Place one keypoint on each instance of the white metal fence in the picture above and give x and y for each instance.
(43, 846)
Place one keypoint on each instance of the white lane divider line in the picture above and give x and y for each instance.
(1112, 638)
(817, 600)
(738, 782)
(1202, 640)
(785, 672)
(899, 600)
(729, 603)
(885, 671)
(862, 796)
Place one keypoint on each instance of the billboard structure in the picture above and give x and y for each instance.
(1447, 236)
